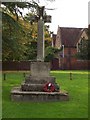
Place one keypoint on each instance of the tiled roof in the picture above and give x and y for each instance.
(70, 36)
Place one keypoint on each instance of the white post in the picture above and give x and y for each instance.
(63, 50)
(77, 48)
(52, 40)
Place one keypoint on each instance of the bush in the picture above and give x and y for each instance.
(50, 53)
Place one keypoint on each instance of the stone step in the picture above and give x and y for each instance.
(32, 87)
(40, 79)
(36, 87)
(18, 95)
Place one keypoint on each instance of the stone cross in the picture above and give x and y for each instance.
(40, 41)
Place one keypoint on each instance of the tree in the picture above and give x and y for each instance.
(13, 34)
(14, 7)
(84, 48)
(88, 32)
(51, 53)
(19, 38)
(11, 37)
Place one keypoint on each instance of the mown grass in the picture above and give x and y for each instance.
(76, 107)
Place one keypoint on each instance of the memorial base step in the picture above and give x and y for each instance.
(18, 95)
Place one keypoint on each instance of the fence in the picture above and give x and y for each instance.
(25, 65)
(15, 65)
(77, 65)
(82, 65)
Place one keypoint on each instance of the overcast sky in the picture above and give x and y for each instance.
(68, 13)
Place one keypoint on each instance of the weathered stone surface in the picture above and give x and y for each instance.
(39, 79)
(32, 87)
(40, 69)
(40, 41)
(18, 95)
(35, 87)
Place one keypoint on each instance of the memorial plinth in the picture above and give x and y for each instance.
(40, 69)
(32, 88)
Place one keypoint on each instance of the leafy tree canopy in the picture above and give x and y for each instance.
(19, 37)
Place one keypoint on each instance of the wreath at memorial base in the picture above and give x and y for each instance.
(49, 87)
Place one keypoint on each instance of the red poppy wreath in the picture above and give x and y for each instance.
(49, 87)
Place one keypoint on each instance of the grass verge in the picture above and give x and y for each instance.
(76, 107)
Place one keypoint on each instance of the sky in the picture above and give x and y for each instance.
(67, 13)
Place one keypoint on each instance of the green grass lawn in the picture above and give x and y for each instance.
(76, 107)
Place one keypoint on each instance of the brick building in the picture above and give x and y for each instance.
(69, 39)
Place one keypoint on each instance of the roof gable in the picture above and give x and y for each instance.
(69, 36)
